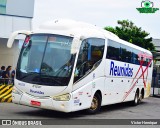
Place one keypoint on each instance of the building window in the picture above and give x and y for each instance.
(3, 6)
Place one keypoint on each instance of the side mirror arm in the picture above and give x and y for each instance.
(13, 36)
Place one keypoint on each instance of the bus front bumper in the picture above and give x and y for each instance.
(41, 102)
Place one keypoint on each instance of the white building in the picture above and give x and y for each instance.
(14, 15)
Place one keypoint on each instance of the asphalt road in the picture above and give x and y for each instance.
(148, 109)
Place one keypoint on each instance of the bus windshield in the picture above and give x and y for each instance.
(46, 59)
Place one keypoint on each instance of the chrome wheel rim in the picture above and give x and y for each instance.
(94, 104)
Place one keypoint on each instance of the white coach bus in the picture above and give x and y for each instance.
(68, 66)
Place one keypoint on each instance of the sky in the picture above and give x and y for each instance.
(101, 13)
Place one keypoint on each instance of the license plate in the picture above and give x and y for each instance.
(35, 103)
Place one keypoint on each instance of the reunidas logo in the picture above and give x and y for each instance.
(147, 7)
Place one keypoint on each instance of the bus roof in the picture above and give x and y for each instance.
(76, 28)
(81, 29)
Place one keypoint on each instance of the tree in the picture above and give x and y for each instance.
(133, 34)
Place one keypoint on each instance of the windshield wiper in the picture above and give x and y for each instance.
(30, 73)
(54, 79)
(33, 72)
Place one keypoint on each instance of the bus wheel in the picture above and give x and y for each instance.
(140, 98)
(136, 100)
(95, 105)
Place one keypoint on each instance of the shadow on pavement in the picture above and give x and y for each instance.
(156, 96)
(42, 113)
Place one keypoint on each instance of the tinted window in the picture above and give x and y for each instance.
(90, 55)
(149, 61)
(135, 59)
(113, 50)
(121, 52)
(146, 61)
(125, 54)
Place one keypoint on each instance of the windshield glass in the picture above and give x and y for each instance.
(46, 60)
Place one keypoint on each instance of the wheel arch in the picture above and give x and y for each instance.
(99, 92)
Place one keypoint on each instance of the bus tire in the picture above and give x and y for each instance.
(95, 105)
(141, 96)
(136, 100)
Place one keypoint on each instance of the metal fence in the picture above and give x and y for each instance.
(6, 81)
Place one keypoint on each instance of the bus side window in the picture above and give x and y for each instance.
(113, 50)
(91, 52)
(125, 53)
(129, 55)
(150, 63)
(135, 59)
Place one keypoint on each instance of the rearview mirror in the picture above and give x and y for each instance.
(13, 36)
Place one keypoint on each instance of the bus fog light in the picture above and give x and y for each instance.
(65, 97)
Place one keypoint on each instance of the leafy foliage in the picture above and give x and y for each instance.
(133, 34)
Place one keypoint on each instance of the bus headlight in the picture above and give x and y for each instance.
(65, 97)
